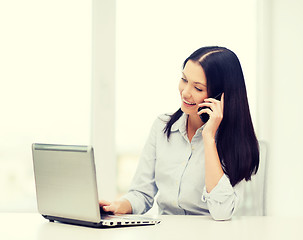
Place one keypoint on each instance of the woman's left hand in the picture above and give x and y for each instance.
(215, 115)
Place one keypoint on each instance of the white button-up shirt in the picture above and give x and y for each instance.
(174, 169)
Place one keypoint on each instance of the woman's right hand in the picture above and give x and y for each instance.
(117, 207)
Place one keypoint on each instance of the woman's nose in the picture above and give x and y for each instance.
(186, 92)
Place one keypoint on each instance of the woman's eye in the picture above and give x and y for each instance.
(184, 80)
(200, 90)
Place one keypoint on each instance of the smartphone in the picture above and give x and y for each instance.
(204, 116)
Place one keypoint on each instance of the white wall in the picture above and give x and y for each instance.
(282, 115)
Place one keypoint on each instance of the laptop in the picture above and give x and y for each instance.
(66, 188)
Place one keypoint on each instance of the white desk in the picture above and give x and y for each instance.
(33, 226)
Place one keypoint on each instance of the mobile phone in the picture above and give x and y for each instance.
(204, 116)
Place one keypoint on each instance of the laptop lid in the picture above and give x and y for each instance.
(65, 179)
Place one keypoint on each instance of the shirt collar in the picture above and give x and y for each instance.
(180, 124)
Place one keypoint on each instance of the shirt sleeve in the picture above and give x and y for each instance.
(143, 188)
(223, 200)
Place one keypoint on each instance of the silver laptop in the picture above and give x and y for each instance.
(66, 188)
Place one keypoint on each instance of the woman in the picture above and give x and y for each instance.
(195, 166)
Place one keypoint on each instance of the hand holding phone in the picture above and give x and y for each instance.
(204, 116)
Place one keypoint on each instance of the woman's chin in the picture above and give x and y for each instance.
(188, 111)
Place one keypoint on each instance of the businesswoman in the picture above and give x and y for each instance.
(198, 167)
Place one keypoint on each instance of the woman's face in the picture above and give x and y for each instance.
(192, 87)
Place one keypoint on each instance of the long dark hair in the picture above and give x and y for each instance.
(236, 141)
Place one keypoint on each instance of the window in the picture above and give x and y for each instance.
(45, 87)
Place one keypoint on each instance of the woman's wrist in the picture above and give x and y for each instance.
(208, 138)
(124, 207)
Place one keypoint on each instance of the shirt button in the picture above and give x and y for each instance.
(192, 148)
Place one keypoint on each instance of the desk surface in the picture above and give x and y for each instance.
(34, 226)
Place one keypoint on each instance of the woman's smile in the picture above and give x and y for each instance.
(188, 104)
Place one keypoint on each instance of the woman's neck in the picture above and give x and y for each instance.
(193, 123)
